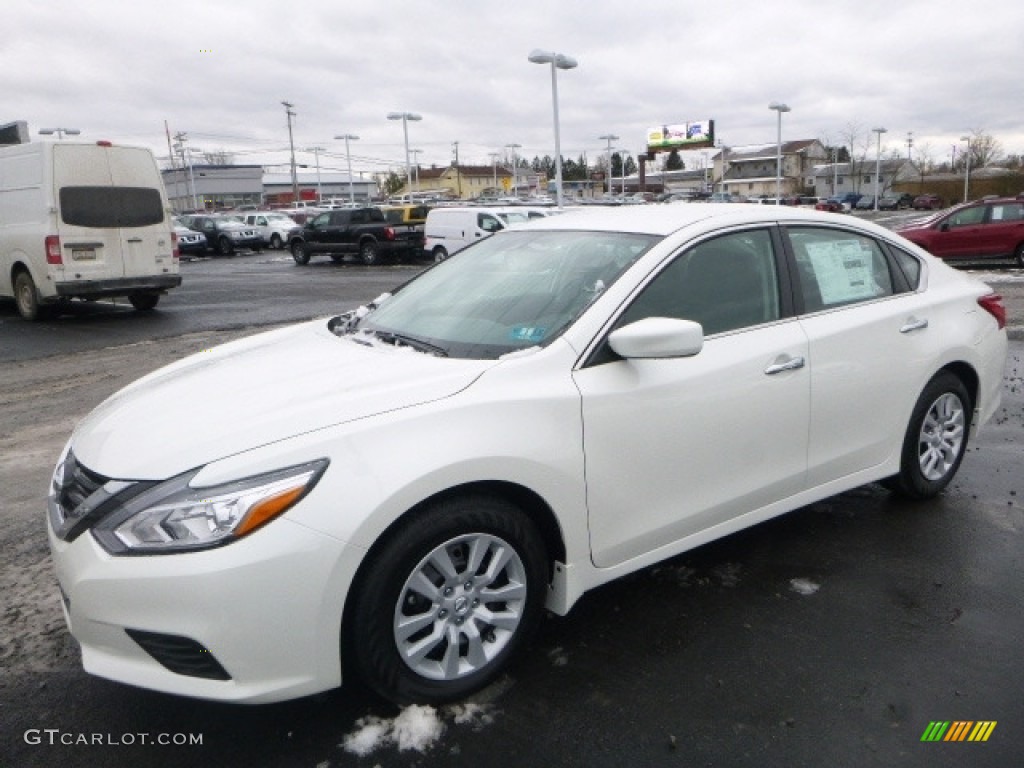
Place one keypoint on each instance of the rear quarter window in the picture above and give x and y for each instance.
(110, 207)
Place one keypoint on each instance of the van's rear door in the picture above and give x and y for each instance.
(112, 215)
(146, 243)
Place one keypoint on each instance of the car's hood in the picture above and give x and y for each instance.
(253, 392)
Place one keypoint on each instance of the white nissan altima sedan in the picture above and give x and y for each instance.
(402, 490)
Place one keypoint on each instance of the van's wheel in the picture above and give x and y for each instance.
(144, 301)
(276, 242)
(300, 253)
(439, 253)
(26, 295)
(368, 253)
(936, 439)
(447, 600)
(224, 246)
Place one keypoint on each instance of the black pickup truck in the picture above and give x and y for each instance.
(362, 232)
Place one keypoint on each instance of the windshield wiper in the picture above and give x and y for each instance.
(401, 340)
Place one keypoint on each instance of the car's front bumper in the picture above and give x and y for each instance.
(266, 608)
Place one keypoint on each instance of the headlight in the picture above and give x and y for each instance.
(174, 517)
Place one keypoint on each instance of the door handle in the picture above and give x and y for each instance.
(913, 324)
(790, 364)
(134, 239)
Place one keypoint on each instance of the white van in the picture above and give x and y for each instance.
(449, 230)
(84, 221)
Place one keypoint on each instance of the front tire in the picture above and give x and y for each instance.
(276, 242)
(224, 246)
(447, 600)
(1018, 256)
(936, 439)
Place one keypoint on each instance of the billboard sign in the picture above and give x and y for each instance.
(665, 138)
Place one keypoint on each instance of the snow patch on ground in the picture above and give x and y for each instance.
(415, 728)
(804, 586)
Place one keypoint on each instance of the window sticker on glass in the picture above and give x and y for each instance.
(843, 270)
(527, 333)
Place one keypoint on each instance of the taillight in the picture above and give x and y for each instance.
(175, 253)
(993, 304)
(53, 250)
(389, 233)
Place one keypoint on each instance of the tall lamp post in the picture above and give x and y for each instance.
(780, 108)
(61, 132)
(515, 168)
(557, 61)
(405, 117)
(609, 137)
(416, 168)
(967, 169)
(316, 153)
(494, 160)
(348, 160)
(878, 161)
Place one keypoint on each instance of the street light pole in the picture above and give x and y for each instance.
(291, 143)
(780, 108)
(515, 168)
(609, 137)
(967, 168)
(416, 169)
(405, 117)
(494, 160)
(348, 161)
(316, 153)
(878, 161)
(557, 61)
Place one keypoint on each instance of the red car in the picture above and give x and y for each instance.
(927, 203)
(983, 229)
(829, 205)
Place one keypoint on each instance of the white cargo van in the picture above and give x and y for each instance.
(449, 230)
(84, 221)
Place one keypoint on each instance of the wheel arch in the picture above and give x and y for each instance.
(532, 505)
(966, 373)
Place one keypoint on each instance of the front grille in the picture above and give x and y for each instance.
(81, 497)
(181, 655)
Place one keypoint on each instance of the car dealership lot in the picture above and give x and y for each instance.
(825, 629)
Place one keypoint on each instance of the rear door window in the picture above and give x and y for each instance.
(111, 207)
(837, 267)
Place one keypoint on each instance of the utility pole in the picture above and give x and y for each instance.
(291, 143)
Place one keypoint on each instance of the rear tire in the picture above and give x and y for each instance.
(224, 246)
(447, 600)
(30, 306)
(936, 439)
(1018, 256)
(300, 253)
(368, 253)
(144, 302)
(276, 242)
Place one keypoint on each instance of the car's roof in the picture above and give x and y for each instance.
(665, 219)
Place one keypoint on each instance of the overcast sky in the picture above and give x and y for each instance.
(218, 70)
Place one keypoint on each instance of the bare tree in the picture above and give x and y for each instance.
(857, 140)
(985, 149)
(219, 157)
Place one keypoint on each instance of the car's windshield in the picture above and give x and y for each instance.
(515, 290)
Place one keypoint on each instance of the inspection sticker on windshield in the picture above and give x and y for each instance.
(532, 334)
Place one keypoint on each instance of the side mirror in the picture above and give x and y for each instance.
(658, 337)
